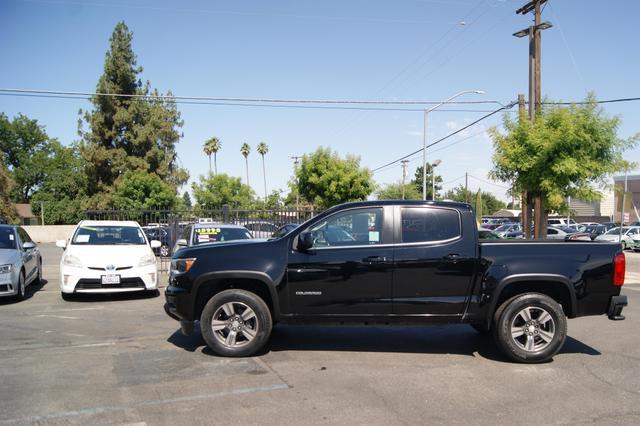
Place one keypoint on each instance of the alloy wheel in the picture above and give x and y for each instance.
(234, 324)
(533, 329)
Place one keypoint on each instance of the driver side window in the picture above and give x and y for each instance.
(357, 227)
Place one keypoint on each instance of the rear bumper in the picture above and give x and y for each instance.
(615, 307)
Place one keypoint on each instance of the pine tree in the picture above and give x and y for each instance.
(136, 132)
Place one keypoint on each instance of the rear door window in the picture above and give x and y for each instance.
(429, 224)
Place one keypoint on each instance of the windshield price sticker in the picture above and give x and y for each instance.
(208, 230)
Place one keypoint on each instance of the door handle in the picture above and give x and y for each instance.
(452, 257)
(374, 259)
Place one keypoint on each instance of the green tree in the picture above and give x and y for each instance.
(63, 192)
(186, 200)
(245, 150)
(417, 182)
(274, 200)
(393, 191)
(139, 190)
(490, 204)
(212, 192)
(566, 151)
(7, 212)
(212, 146)
(262, 149)
(24, 145)
(324, 179)
(134, 132)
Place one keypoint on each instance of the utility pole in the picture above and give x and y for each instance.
(624, 200)
(525, 197)
(296, 161)
(535, 90)
(466, 187)
(404, 174)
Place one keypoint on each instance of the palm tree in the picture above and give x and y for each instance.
(245, 149)
(262, 149)
(212, 146)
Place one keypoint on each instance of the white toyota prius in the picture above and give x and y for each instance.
(107, 257)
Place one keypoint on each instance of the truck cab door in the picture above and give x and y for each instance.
(348, 269)
(434, 261)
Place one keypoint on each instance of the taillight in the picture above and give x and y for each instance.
(618, 269)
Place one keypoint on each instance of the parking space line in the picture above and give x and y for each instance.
(57, 316)
(107, 409)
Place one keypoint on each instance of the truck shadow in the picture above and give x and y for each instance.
(450, 339)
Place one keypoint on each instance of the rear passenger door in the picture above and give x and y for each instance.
(434, 261)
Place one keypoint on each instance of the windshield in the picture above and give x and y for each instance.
(7, 239)
(218, 235)
(504, 227)
(567, 229)
(101, 235)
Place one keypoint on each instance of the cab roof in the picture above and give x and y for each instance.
(108, 223)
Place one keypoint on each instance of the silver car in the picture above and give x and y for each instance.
(629, 234)
(20, 261)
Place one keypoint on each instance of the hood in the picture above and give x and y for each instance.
(9, 256)
(605, 237)
(193, 250)
(116, 255)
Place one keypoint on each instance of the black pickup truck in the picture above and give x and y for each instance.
(395, 262)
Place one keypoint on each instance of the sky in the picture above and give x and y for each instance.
(347, 50)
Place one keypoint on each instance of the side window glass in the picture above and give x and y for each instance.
(551, 231)
(24, 236)
(358, 227)
(429, 224)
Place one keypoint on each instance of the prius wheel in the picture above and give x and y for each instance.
(531, 328)
(235, 323)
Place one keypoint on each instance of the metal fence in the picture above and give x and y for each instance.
(167, 225)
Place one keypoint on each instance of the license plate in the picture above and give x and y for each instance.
(111, 279)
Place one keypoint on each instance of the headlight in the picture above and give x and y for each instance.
(147, 260)
(180, 266)
(71, 260)
(5, 269)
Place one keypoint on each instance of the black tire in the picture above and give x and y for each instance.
(541, 336)
(38, 280)
(67, 297)
(257, 323)
(21, 287)
(481, 328)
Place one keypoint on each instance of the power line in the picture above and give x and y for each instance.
(489, 182)
(447, 136)
(233, 99)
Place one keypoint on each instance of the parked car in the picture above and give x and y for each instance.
(20, 261)
(261, 228)
(491, 226)
(566, 233)
(562, 221)
(610, 225)
(409, 262)
(284, 230)
(507, 228)
(487, 234)
(107, 257)
(210, 233)
(628, 233)
(161, 234)
(595, 230)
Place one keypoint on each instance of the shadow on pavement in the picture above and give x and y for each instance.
(28, 293)
(456, 339)
(112, 297)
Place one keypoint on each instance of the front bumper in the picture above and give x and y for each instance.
(85, 280)
(8, 284)
(615, 307)
(177, 306)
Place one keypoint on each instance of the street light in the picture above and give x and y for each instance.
(433, 178)
(424, 137)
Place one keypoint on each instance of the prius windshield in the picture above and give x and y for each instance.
(108, 235)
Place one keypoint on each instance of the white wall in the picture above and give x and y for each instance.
(49, 233)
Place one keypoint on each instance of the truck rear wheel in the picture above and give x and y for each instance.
(530, 328)
(235, 323)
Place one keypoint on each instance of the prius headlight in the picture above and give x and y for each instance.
(147, 260)
(71, 260)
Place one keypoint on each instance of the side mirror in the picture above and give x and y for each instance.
(155, 244)
(305, 241)
(61, 243)
(181, 242)
(28, 245)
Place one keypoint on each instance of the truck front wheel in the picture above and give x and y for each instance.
(235, 323)
(531, 328)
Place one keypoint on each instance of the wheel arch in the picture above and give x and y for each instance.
(558, 287)
(256, 282)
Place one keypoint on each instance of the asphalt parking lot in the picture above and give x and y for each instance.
(121, 360)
